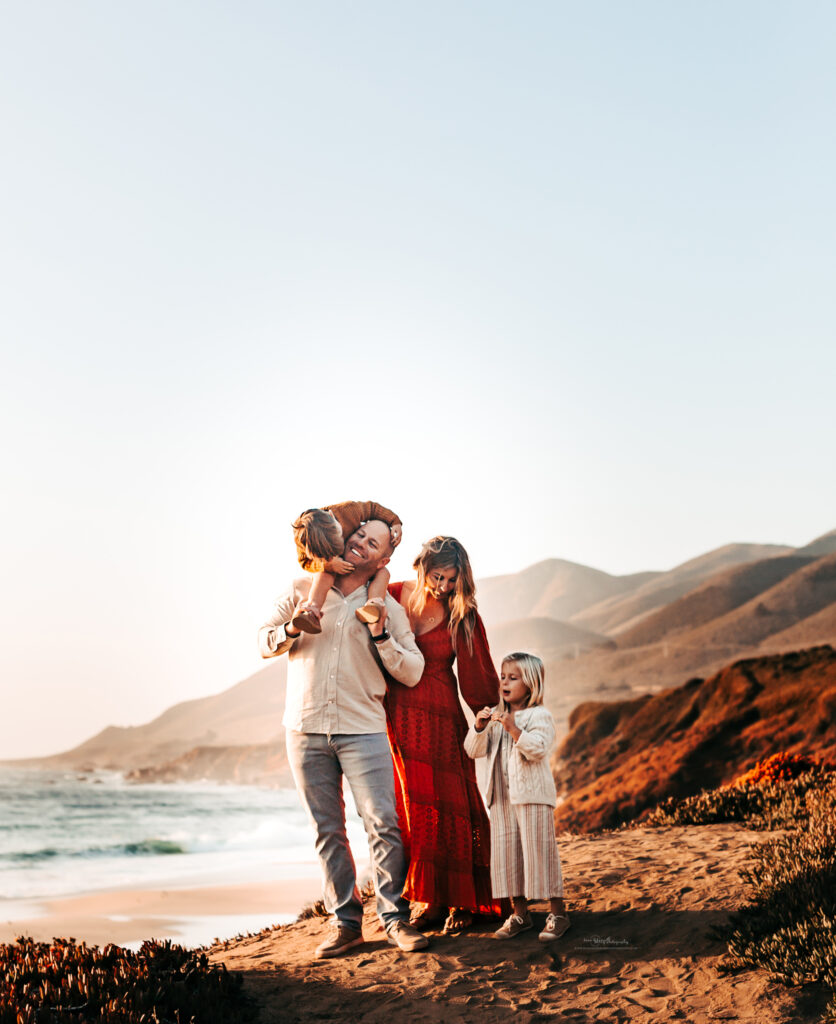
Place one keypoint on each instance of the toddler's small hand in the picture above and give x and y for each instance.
(396, 534)
(339, 566)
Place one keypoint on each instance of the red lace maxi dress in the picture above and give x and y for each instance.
(442, 818)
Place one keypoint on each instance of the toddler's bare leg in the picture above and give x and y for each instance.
(308, 618)
(322, 583)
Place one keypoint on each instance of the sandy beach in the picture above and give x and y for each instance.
(642, 903)
(189, 916)
(641, 948)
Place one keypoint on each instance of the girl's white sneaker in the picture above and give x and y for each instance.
(513, 926)
(556, 925)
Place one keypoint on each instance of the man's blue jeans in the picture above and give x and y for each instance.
(318, 763)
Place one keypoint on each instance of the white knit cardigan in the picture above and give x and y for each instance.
(529, 776)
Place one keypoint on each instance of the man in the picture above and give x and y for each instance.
(336, 726)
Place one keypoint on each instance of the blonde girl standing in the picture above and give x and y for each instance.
(516, 737)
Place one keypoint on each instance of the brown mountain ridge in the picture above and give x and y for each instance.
(623, 757)
(624, 610)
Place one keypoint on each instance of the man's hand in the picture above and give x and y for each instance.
(339, 566)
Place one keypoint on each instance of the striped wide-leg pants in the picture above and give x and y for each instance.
(524, 855)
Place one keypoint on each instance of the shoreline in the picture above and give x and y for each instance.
(189, 916)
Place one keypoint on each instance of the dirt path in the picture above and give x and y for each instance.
(642, 904)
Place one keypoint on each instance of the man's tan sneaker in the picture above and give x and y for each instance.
(338, 942)
(407, 938)
(513, 926)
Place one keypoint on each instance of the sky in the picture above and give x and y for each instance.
(554, 278)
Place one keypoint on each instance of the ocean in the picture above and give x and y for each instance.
(65, 833)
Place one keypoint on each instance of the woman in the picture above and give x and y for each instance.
(443, 820)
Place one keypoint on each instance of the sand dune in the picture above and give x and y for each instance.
(640, 949)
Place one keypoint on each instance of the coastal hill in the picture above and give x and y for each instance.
(553, 589)
(550, 638)
(623, 757)
(233, 736)
(720, 594)
(618, 613)
(603, 638)
(761, 607)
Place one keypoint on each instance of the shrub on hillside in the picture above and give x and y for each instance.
(762, 805)
(780, 768)
(789, 927)
(65, 981)
(773, 794)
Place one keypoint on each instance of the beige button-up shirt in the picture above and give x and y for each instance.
(334, 679)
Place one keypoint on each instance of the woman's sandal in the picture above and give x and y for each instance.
(427, 918)
(457, 921)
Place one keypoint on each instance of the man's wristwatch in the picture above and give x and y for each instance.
(383, 636)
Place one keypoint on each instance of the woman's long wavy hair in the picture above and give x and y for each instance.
(447, 553)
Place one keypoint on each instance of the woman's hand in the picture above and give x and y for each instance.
(482, 718)
(506, 720)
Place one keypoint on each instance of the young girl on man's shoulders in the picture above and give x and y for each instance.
(321, 535)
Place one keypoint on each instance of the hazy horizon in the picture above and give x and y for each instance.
(554, 279)
(259, 664)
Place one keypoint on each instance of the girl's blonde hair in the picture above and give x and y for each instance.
(447, 553)
(533, 676)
